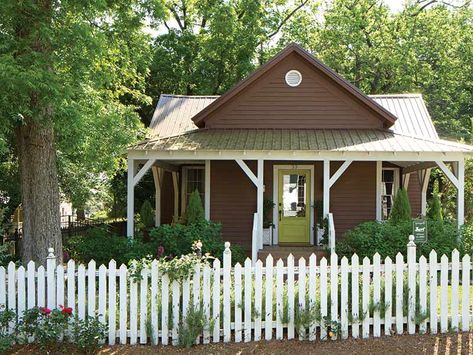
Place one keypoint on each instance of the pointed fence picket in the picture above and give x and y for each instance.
(256, 301)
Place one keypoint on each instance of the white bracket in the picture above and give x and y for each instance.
(143, 171)
(448, 173)
(247, 171)
(339, 172)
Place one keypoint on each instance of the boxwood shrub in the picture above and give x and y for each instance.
(389, 238)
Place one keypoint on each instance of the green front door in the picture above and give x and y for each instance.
(293, 206)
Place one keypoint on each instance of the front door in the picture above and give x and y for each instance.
(293, 206)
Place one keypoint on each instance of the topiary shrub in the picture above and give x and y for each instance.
(401, 209)
(147, 215)
(195, 210)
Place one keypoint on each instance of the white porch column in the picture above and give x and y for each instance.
(260, 199)
(130, 198)
(158, 175)
(379, 183)
(207, 190)
(424, 176)
(326, 198)
(460, 173)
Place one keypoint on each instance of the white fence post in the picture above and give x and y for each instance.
(227, 265)
(51, 279)
(411, 282)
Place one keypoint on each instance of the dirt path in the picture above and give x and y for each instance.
(448, 344)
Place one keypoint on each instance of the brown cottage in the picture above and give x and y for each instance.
(296, 133)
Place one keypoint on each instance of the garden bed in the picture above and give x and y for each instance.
(458, 343)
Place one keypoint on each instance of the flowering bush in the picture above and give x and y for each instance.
(48, 328)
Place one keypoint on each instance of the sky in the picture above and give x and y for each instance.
(394, 5)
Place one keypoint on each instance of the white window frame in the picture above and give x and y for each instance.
(396, 186)
(185, 170)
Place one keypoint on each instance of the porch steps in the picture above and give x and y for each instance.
(282, 252)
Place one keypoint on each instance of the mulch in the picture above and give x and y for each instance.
(449, 344)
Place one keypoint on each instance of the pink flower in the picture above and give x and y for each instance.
(65, 310)
(160, 251)
(45, 310)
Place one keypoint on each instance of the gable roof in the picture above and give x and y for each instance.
(387, 118)
(173, 114)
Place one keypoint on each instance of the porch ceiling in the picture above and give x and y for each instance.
(345, 140)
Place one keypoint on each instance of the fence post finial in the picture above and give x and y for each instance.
(227, 247)
(51, 253)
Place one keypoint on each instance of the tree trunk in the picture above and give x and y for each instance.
(39, 190)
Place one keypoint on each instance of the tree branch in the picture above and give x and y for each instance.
(287, 18)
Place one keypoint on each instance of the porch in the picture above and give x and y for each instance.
(348, 192)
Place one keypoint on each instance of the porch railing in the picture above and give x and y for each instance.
(331, 233)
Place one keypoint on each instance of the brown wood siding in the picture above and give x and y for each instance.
(353, 196)
(167, 199)
(414, 193)
(232, 201)
(318, 102)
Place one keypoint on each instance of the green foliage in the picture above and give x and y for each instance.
(467, 239)
(147, 214)
(401, 210)
(7, 340)
(88, 334)
(388, 239)
(192, 326)
(102, 246)
(195, 210)
(177, 239)
(434, 211)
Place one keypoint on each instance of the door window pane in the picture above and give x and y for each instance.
(388, 192)
(195, 181)
(294, 195)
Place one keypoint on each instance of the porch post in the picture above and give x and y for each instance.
(130, 208)
(379, 182)
(207, 190)
(158, 174)
(259, 200)
(326, 198)
(460, 167)
(424, 176)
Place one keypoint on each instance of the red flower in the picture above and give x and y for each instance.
(65, 310)
(45, 310)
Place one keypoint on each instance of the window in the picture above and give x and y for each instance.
(389, 187)
(193, 178)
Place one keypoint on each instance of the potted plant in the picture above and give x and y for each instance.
(268, 225)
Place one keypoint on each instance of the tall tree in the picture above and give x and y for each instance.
(73, 72)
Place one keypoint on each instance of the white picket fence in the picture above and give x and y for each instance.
(263, 301)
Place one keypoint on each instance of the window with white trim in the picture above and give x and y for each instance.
(193, 178)
(389, 188)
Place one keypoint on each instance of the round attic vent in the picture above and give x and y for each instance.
(293, 78)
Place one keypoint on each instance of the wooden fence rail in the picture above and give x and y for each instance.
(308, 300)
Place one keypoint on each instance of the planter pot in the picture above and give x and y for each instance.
(268, 236)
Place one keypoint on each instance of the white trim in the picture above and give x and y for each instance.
(405, 180)
(299, 155)
(326, 189)
(143, 171)
(460, 168)
(207, 190)
(395, 185)
(339, 173)
(276, 169)
(259, 201)
(424, 176)
(379, 181)
(130, 199)
(448, 173)
(247, 171)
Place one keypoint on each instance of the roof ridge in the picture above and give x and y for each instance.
(190, 96)
(407, 94)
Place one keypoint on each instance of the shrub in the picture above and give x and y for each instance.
(435, 209)
(87, 334)
(147, 215)
(401, 209)
(467, 239)
(389, 238)
(102, 246)
(177, 239)
(195, 210)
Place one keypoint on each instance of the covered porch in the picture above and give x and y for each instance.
(348, 185)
